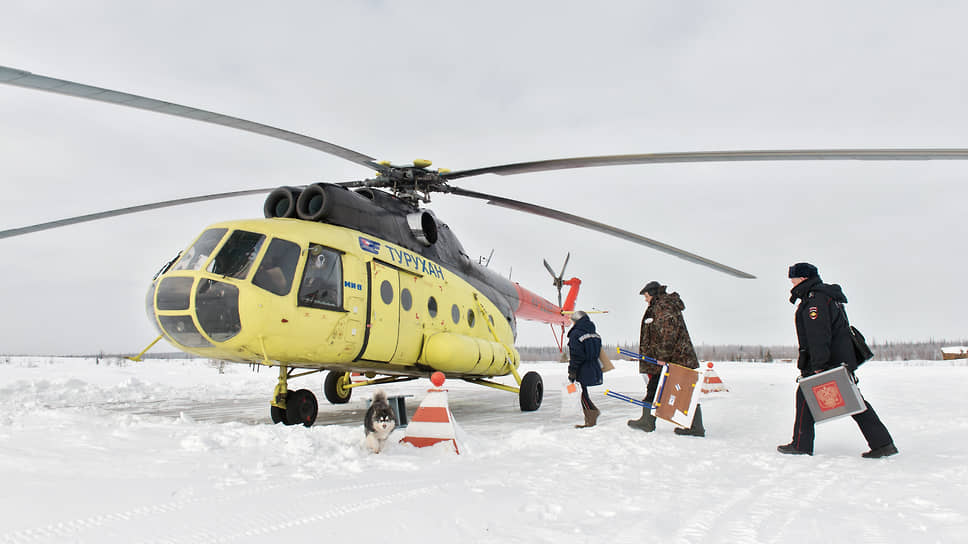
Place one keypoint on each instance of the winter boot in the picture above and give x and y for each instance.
(645, 423)
(791, 449)
(697, 429)
(883, 451)
(591, 417)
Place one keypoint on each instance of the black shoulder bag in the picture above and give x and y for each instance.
(862, 352)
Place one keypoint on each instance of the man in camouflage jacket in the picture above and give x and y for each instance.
(664, 337)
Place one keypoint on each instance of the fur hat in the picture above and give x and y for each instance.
(577, 315)
(803, 270)
(652, 288)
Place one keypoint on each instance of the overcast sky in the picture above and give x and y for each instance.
(493, 83)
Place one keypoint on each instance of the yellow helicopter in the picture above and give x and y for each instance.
(357, 277)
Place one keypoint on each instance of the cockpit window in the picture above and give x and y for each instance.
(322, 281)
(236, 256)
(201, 250)
(278, 267)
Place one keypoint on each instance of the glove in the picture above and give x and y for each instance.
(571, 376)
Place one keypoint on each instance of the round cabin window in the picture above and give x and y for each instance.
(406, 300)
(386, 292)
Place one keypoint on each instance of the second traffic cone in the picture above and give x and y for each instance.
(432, 422)
(711, 382)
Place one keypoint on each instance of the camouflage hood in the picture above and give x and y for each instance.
(667, 302)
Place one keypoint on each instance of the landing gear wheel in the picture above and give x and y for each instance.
(301, 407)
(532, 391)
(335, 387)
(277, 414)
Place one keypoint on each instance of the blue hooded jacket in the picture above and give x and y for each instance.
(584, 346)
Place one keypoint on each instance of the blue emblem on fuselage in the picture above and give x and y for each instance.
(369, 246)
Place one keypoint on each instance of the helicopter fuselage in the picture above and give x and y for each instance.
(311, 294)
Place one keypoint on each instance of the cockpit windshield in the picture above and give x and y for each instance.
(235, 258)
(278, 266)
(196, 256)
(322, 281)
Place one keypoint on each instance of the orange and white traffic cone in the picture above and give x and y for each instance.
(711, 382)
(432, 422)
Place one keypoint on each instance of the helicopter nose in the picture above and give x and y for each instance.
(216, 310)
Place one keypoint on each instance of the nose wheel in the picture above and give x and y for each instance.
(292, 407)
(301, 408)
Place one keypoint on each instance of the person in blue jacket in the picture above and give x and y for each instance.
(584, 347)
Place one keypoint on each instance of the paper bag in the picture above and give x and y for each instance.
(604, 361)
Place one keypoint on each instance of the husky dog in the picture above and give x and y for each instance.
(378, 422)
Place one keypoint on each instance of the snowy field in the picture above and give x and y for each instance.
(174, 451)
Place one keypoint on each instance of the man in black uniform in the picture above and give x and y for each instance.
(825, 343)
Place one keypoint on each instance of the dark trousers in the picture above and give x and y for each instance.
(803, 432)
(651, 388)
(586, 401)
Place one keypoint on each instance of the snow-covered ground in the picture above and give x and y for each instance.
(174, 451)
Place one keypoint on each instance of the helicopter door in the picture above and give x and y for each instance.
(384, 312)
(410, 332)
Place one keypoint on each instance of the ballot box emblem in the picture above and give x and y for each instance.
(828, 396)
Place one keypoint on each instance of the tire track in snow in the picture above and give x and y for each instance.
(72, 530)
(280, 516)
(742, 513)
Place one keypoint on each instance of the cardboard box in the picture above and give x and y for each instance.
(677, 394)
(832, 394)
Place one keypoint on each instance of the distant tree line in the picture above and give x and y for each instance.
(929, 350)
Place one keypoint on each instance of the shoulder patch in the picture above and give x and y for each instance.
(812, 312)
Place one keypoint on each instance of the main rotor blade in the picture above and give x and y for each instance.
(123, 211)
(20, 78)
(718, 156)
(600, 227)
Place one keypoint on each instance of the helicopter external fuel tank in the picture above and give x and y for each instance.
(463, 354)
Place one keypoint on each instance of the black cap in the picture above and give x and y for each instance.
(803, 270)
(651, 288)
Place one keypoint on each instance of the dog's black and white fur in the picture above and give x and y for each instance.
(378, 422)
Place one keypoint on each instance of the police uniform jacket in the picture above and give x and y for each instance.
(822, 329)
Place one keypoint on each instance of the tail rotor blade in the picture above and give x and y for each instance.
(550, 271)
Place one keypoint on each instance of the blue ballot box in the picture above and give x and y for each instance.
(832, 394)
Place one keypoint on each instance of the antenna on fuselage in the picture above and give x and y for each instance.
(485, 262)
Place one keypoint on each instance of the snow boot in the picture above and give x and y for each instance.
(791, 449)
(645, 423)
(883, 451)
(697, 429)
(591, 417)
